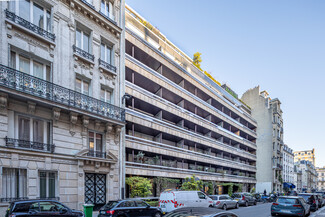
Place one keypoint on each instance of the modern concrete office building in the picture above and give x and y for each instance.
(288, 164)
(179, 121)
(268, 114)
(308, 155)
(320, 178)
(61, 85)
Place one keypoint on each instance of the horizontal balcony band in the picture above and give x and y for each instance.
(83, 53)
(182, 90)
(108, 18)
(22, 82)
(186, 72)
(28, 25)
(167, 103)
(153, 144)
(98, 154)
(106, 65)
(142, 166)
(185, 131)
(29, 145)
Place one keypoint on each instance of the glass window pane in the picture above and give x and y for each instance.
(102, 7)
(48, 21)
(91, 140)
(24, 9)
(48, 73)
(42, 184)
(102, 95)
(12, 6)
(108, 55)
(38, 131)
(38, 16)
(38, 69)
(102, 52)
(78, 85)
(13, 60)
(24, 64)
(78, 38)
(108, 96)
(99, 145)
(51, 185)
(24, 125)
(85, 88)
(86, 43)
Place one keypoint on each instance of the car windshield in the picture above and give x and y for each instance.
(305, 196)
(214, 197)
(287, 200)
(236, 196)
(110, 204)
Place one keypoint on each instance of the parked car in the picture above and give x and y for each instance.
(310, 198)
(199, 212)
(130, 207)
(39, 207)
(321, 200)
(258, 197)
(290, 205)
(171, 200)
(244, 199)
(224, 201)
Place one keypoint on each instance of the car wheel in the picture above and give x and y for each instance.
(224, 207)
(246, 204)
(273, 214)
(255, 202)
(237, 206)
(158, 214)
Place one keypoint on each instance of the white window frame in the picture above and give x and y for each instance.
(95, 145)
(9, 183)
(83, 80)
(110, 6)
(83, 32)
(106, 90)
(46, 138)
(31, 64)
(31, 13)
(48, 183)
(106, 47)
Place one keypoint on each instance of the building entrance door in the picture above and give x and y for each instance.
(95, 189)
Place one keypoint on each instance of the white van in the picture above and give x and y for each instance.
(171, 200)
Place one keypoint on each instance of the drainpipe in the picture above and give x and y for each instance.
(122, 104)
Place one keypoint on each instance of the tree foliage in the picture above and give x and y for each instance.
(191, 184)
(163, 182)
(197, 60)
(139, 186)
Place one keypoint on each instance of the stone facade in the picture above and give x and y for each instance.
(288, 164)
(320, 178)
(61, 121)
(308, 176)
(179, 121)
(268, 114)
(297, 178)
(307, 155)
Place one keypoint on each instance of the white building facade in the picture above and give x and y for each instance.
(61, 85)
(288, 164)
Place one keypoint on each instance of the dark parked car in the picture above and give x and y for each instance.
(290, 205)
(311, 199)
(244, 199)
(199, 212)
(321, 200)
(129, 208)
(40, 208)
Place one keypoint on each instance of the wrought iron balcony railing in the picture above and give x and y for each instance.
(108, 18)
(83, 53)
(49, 198)
(16, 80)
(107, 65)
(18, 143)
(87, 3)
(30, 26)
(98, 154)
(9, 199)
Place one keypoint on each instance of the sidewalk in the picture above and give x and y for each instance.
(319, 213)
(95, 213)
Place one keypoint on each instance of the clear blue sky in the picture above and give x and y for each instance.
(277, 44)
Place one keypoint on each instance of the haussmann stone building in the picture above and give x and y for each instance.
(61, 90)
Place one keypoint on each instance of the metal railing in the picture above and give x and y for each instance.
(83, 53)
(107, 65)
(30, 26)
(24, 144)
(108, 18)
(25, 83)
(10, 199)
(49, 198)
(87, 3)
(99, 154)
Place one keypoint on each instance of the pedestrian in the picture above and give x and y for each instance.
(264, 192)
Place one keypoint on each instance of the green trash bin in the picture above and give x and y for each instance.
(88, 210)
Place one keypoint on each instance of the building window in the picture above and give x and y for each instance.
(32, 12)
(14, 183)
(83, 40)
(82, 86)
(33, 129)
(106, 95)
(106, 53)
(30, 66)
(95, 141)
(106, 8)
(47, 184)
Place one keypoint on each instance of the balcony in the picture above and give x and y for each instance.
(108, 18)
(88, 4)
(98, 154)
(30, 26)
(49, 198)
(22, 82)
(107, 66)
(23, 144)
(83, 54)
